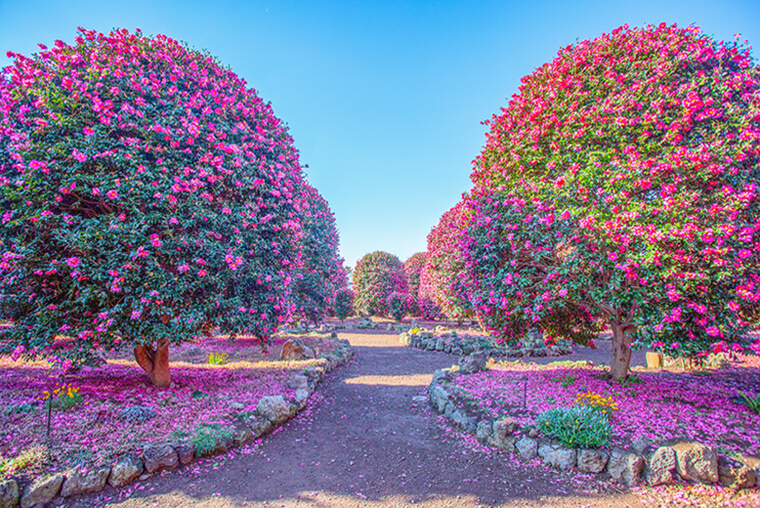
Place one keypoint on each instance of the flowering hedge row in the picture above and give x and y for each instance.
(621, 183)
(376, 277)
(148, 195)
(413, 269)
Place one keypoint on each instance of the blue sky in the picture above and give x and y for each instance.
(384, 99)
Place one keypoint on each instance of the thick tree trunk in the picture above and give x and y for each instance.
(155, 362)
(621, 351)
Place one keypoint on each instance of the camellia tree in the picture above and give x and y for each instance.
(148, 195)
(321, 274)
(413, 268)
(621, 182)
(442, 287)
(377, 275)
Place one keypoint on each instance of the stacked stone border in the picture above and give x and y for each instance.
(271, 412)
(465, 344)
(643, 465)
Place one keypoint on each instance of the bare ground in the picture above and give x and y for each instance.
(367, 439)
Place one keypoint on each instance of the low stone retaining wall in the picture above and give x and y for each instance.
(642, 465)
(465, 344)
(271, 412)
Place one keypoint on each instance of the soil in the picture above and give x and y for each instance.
(368, 438)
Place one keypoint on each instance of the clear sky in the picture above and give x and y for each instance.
(383, 98)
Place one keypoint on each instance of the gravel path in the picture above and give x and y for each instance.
(368, 438)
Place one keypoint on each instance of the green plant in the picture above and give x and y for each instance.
(576, 427)
(629, 381)
(753, 403)
(206, 436)
(566, 380)
(217, 358)
(33, 457)
(198, 394)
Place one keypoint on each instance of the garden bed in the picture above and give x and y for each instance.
(102, 413)
(652, 407)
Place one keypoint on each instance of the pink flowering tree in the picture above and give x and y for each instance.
(621, 181)
(442, 287)
(321, 274)
(426, 301)
(148, 195)
(377, 275)
(413, 268)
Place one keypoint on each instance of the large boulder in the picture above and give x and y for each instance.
(661, 467)
(274, 408)
(292, 350)
(473, 363)
(161, 456)
(9, 497)
(592, 461)
(735, 475)
(85, 481)
(556, 455)
(625, 467)
(696, 462)
(527, 447)
(125, 471)
(42, 491)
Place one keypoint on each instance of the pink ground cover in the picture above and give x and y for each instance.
(663, 405)
(94, 431)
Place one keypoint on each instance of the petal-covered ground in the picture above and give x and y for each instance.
(87, 425)
(652, 406)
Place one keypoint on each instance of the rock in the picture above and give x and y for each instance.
(259, 426)
(404, 339)
(41, 491)
(475, 362)
(85, 481)
(439, 397)
(292, 350)
(735, 475)
(625, 467)
(137, 414)
(242, 437)
(440, 375)
(125, 471)
(273, 408)
(527, 447)
(8, 494)
(696, 462)
(302, 397)
(558, 456)
(161, 456)
(661, 467)
(440, 344)
(308, 353)
(501, 436)
(505, 426)
(185, 451)
(236, 406)
(298, 381)
(224, 443)
(640, 446)
(484, 430)
(533, 433)
(467, 423)
(592, 461)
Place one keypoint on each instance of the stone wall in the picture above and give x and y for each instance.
(271, 412)
(464, 344)
(642, 465)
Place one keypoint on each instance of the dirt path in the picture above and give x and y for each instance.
(369, 440)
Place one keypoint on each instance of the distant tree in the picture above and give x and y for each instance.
(375, 277)
(413, 268)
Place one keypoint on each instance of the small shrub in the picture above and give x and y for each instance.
(753, 403)
(206, 436)
(217, 358)
(576, 427)
(65, 397)
(31, 458)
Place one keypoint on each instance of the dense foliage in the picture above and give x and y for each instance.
(444, 268)
(344, 303)
(413, 268)
(397, 304)
(375, 277)
(622, 182)
(147, 194)
(322, 273)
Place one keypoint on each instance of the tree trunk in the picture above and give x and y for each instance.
(155, 362)
(621, 351)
